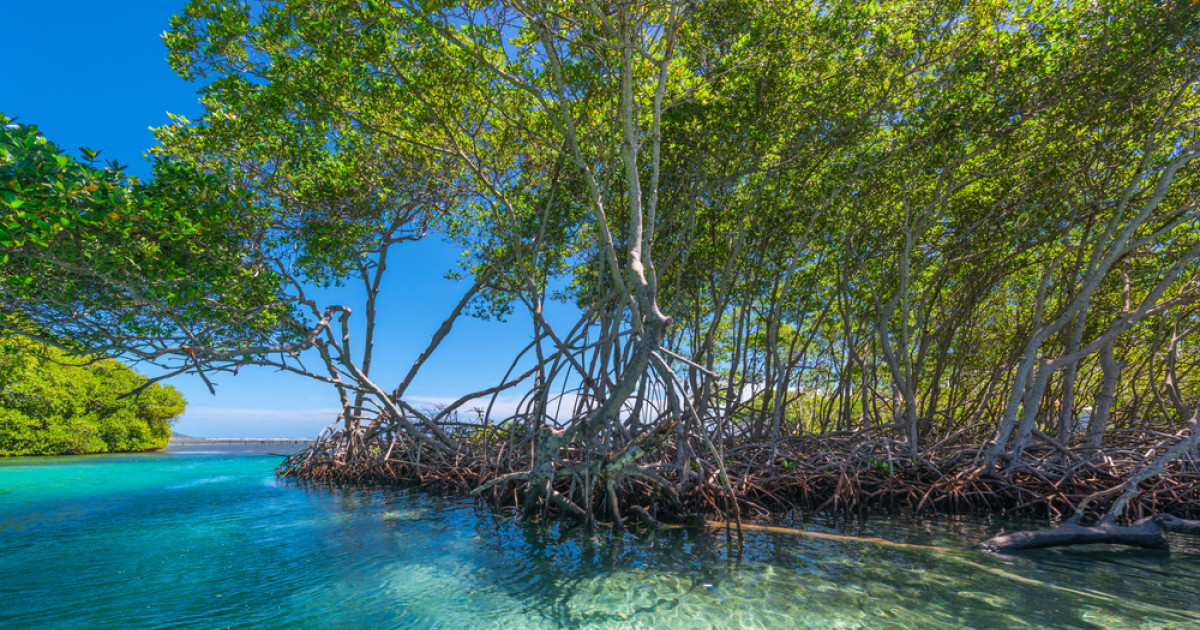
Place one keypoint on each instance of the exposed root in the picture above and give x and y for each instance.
(548, 475)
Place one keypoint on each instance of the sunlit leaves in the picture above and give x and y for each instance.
(140, 259)
(52, 403)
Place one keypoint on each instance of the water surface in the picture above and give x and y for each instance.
(213, 540)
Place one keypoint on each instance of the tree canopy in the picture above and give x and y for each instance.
(966, 223)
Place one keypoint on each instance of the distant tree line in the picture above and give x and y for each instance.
(52, 403)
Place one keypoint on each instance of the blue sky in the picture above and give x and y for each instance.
(95, 74)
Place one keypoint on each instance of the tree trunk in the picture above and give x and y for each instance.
(1111, 370)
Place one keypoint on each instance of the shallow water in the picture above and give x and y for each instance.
(185, 540)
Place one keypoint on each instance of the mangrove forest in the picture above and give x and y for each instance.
(832, 256)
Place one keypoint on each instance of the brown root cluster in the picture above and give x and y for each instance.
(852, 473)
(855, 475)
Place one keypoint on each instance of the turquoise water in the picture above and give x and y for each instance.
(214, 541)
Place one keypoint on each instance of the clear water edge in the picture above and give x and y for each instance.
(194, 540)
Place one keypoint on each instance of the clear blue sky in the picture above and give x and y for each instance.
(94, 74)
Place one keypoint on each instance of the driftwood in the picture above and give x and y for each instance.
(1146, 533)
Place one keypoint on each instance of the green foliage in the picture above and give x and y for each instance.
(297, 117)
(52, 403)
(98, 257)
(866, 210)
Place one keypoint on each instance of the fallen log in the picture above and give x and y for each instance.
(1146, 533)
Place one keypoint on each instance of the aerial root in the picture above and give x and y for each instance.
(640, 482)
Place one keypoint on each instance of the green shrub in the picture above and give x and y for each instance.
(52, 403)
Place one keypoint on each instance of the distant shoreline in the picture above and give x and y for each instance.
(273, 446)
(193, 441)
